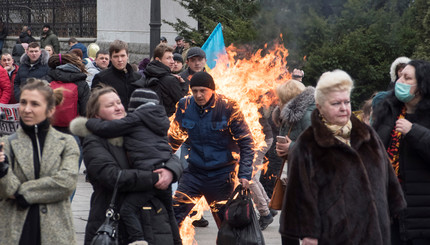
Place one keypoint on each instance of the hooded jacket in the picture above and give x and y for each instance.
(414, 167)
(217, 134)
(393, 75)
(50, 39)
(167, 87)
(121, 81)
(25, 38)
(340, 194)
(5, 86)
(81, 47)
(296, 114)
(69, 73)
(26, 70)
(104, 158)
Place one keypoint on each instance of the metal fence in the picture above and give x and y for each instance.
(67, 18)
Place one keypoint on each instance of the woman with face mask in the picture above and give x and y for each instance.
(402, 121)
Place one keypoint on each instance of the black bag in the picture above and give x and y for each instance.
(247, 235)
(107, 234)
(238, 208)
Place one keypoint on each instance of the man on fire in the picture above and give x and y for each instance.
(216, 135)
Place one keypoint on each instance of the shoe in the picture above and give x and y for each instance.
(265, 221)
(200, 222)
(273, 212)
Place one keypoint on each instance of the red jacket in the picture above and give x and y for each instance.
(12, 79)
(5, 87)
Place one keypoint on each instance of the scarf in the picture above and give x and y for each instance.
(342, 133)
(393, 148)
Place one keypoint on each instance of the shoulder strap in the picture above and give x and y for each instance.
(12, 154)
(115, 190)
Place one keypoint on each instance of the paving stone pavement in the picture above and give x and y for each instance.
(204, 236)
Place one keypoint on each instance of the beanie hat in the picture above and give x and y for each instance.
(178, 57)
(47, 26)
(202, 79)
(141, 97)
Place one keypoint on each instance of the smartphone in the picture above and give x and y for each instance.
(281, 139)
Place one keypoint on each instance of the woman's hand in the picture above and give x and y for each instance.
(165, 178)
(309, 241)
(282, 148)
(179, 78)
(403, 126)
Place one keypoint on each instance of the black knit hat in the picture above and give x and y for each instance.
(142, 96)
(178, 57)
(46, 25)
(202, 79)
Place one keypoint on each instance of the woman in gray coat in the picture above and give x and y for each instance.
(38, 175)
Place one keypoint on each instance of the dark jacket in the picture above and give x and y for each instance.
(414, 157)
(186, 75)
(3, 31)
(119, 80)
(25, 38)
(296, 114)
(51, 39)
(167, 87)
(340, 194)
(69, 73)
(145, 135)
(81, 47)
(216, 133)
(38, 70)
(104, 158)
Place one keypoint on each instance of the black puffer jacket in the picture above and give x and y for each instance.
(414, 160)
(104, 158)
(69, 73)
(119, 80)
(145, 135)
(168, 89)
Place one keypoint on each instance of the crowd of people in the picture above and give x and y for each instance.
(348, 179)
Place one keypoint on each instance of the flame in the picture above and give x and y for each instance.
(251, 81)
(187, 230)
(305, 57)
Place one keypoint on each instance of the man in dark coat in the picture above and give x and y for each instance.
(120, 75)
(3, 33)
(25, 36)
(34, 63)
(216, 133)
(196, 62)
(165, 85)
(49, 38)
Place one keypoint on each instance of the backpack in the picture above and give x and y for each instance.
(68, 109)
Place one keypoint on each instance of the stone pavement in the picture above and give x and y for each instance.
(204, 236)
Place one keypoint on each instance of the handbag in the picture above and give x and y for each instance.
(238, 208)
(107, 234)
(234, 232)
(279, 189)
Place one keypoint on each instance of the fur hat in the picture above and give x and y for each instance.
(202, 79)
(142, 96)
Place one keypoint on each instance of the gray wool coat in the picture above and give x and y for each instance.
(58, 178)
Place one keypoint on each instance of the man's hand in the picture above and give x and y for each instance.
(165, 178)
(179, 78)
(245, 183)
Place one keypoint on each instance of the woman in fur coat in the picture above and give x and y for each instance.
(341, 186)
(293, 115)
(402, 121)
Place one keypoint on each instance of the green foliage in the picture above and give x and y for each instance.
(235, 16)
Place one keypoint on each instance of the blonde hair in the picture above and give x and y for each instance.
(93, 104)
(288, 90)
(332, 81)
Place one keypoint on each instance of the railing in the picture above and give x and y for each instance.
(67, 18)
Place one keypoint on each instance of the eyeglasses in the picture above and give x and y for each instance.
(297, 76)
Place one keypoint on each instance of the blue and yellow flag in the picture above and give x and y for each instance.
(214, 46)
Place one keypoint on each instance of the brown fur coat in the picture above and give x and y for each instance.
(340, 194)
